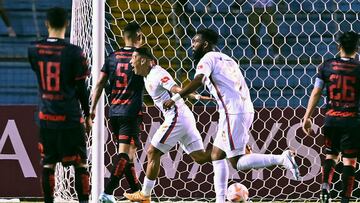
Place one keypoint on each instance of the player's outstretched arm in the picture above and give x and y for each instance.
(176, 89)
(97, 92)
(191, 87)
(313, 101)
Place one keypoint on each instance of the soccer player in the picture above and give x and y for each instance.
(179, 125)
(125, 110)
(341, 78)
(222, 76)
(61, 70)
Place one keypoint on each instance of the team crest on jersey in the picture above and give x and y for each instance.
(200, 67)
(150, 87)
(165, 79)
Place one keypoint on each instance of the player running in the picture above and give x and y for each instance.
(222, 76)
(179, 125)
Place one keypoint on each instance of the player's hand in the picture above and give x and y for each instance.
(168, 104)
(88, 124)
(248, 149)
(306, 126)
(206, 98)
(92, 115)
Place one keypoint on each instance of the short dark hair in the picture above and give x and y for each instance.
(349, 41)
(209, 35)
(131, 29)
(57, 17)
(145, 52)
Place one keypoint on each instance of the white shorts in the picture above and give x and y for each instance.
(233, 133)
(176, 129)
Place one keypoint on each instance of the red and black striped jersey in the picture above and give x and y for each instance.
(341, 77)
(126, 88)
(61, 69)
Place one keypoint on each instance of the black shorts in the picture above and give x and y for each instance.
(67, 146)
(126, 129)
(342, 139)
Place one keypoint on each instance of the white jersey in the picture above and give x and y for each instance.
(225, 82)
(158, 84)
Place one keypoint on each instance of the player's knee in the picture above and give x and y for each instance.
(154, 153)
(350, 157)
(200, 156)
(217, 154)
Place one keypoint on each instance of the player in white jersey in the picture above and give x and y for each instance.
(222, 76)
(179, 125)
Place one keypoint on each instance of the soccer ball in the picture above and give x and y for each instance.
(237, 192)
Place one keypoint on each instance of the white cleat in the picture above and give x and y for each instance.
(289, 163)
(105, 198)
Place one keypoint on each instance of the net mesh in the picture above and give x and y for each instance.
(278, 49)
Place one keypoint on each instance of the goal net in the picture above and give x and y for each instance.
(278, 49)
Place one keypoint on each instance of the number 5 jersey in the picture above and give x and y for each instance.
(126, 88)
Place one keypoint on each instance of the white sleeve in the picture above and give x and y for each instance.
(205, 65)
(166, 81)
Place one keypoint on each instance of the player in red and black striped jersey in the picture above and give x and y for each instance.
(125, 109)
(61, 70)
(341, 79)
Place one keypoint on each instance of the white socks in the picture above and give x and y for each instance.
(221, 175)
(255, 161)
(148, 186)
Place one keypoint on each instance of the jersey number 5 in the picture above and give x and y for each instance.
(120, 74)
(50, 75)
(342, 87)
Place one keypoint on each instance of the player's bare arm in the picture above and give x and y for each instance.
(190, 88)
(176, 89)
(313, 101)
(97, 92)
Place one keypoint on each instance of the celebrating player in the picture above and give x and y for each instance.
(61, 70)
(179, 125)
(125, 110)
(222, 76)
(340, 76)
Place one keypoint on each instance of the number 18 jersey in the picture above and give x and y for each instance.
(341, 77)
(58, 66)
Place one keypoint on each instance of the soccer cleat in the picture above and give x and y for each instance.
(105, 198)
(325, 196)
(137, 197)
(289, 163)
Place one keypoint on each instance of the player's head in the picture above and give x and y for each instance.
(56, 18)
(132, 34)
(141, 60)
(349, 42)
(204, 41)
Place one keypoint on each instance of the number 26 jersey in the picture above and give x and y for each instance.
(341, 79)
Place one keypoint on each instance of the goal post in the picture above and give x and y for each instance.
(279, 76)
(98, 131)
